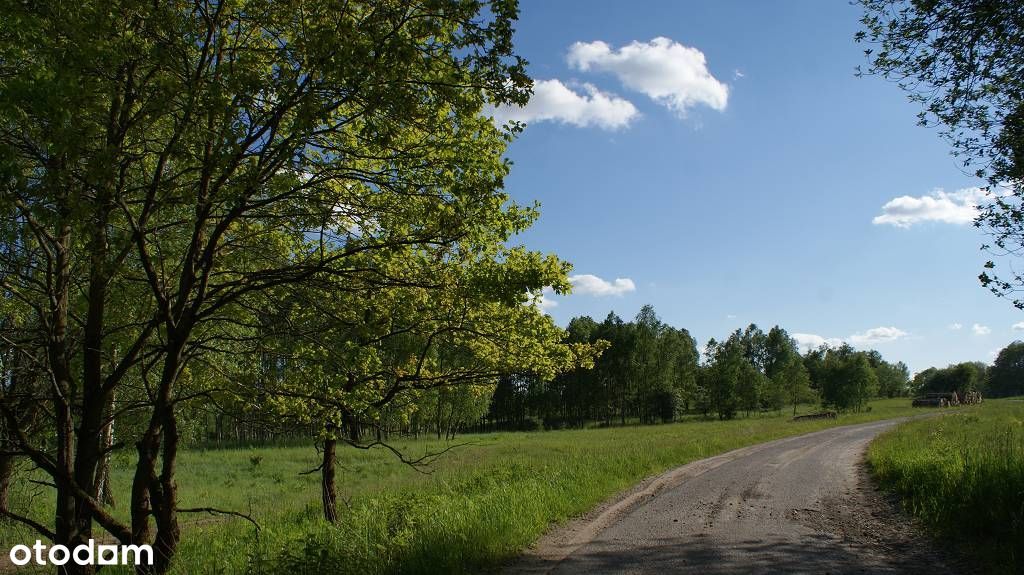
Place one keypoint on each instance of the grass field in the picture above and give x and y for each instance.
(963, 476)
(480, 505)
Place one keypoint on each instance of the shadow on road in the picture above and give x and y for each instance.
(816, 554)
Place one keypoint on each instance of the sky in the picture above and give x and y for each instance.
(721, 161)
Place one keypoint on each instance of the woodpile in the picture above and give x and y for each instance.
(822, 415)
(947, 399)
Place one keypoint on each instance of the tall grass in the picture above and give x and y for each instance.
(480, 504)
(963, 476)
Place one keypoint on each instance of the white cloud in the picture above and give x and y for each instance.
(543, 301)
(554, 101)
(1019, 326)
(878, 335)
(955, 326)
(959, 207)
(809, 341)
(981, 329)
(592, 285)
(672, 74)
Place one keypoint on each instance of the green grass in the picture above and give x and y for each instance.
(963, 475)
(480, 505)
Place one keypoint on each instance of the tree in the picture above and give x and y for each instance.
(1006, 376)
(166, 166)
(849, 381)
(755, 347)
(408, 349)
(920, 383)
(682, 351)
(780, 350)
(648, 370)
(722, 375)
(961, 62)
(750, 386)
(780, 357)
(893, 379)
(796, 382)
(960, 378)
(814, 361)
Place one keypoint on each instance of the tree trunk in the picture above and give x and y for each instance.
(327, 474)
(145, 475)
(165, 508)
(104, 494)
(158, 495)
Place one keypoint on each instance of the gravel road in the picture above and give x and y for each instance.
(798, 505)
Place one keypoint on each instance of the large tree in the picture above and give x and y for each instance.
(848, 381)
(165, 166)
(962, 61)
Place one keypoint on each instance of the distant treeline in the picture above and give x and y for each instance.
(652, 372)
(1004, 378)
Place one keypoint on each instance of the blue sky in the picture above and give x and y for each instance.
(721, 159)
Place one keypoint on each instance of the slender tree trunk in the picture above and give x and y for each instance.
(165, 508)
(327, 475)
(104, 494)
(145, 475)
(66, 523)
(153, 495)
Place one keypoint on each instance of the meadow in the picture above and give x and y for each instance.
(474, 508)
(962, 475)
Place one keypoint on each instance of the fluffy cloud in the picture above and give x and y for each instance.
(979, 329)
(809, 341)
(959, 207)
(1019, 326)
(592, 285)
(878, 335)
(555, 102)
(672, 74)
(956, 326)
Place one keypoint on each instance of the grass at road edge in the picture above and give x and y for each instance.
(962, 475)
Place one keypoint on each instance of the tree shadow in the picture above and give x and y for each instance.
(817, 554)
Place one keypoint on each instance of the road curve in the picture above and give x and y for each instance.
(796, 505)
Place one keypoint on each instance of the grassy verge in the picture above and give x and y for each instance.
(480, 505)
(963, 476)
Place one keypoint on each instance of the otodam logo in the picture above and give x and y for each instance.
(85, 554)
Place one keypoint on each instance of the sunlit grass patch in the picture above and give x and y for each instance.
(963, 476)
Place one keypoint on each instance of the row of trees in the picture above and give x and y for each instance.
(648, 373)
(653, 372)
(1004, 378)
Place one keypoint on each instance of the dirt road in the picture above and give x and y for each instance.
(797, 505)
